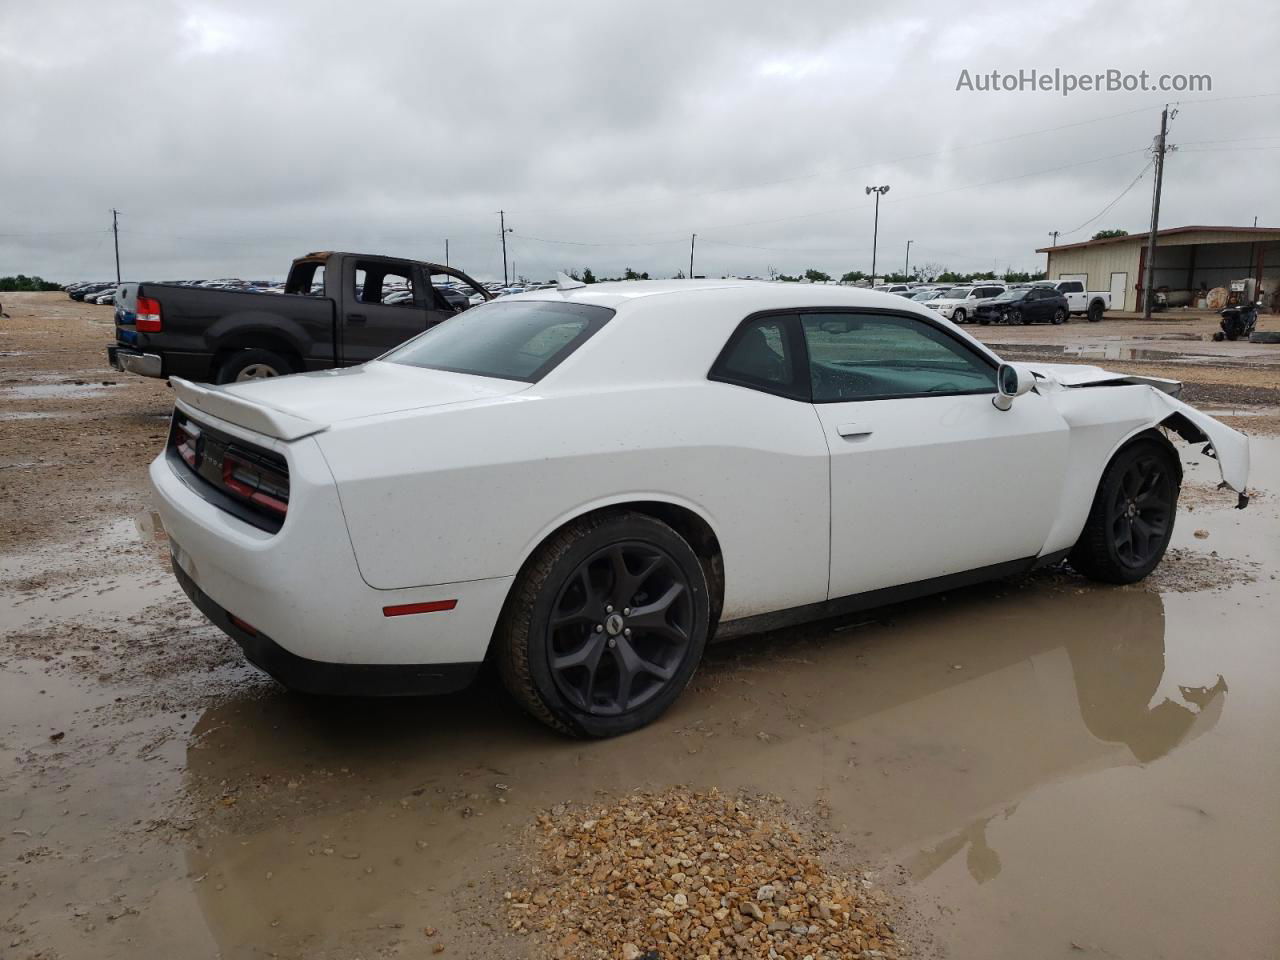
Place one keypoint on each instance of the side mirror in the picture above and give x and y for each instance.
(1011, 382)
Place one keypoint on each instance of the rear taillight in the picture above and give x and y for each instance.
(147, 313)
(187, 440)
(256, 483)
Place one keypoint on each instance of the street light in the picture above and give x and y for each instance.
(906, 267)
(875, 234)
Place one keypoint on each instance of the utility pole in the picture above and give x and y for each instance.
(446, 251)
(1161, 148)
(906, 267)
(503, 230)
(693, 239)
(115, 230)
(875, 233)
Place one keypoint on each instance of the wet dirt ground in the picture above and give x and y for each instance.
(1034, 768)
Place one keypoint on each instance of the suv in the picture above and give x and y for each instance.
(961, 303)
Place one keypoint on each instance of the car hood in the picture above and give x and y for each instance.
(297, 406)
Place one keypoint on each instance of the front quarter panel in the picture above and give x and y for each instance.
(1104, 418)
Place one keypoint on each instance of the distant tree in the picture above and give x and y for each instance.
(588, 276)
(1105, 234)
(23, 283)
(786, 278)
(816, 276)
(898, 278)
(928, 271)
(950, 276)
(853, 276)
(645, 275)
(631, 275)
(1015, 276)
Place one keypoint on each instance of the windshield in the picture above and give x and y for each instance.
(510, 340)
(1013, 294)
(927, 295)
(959, 293)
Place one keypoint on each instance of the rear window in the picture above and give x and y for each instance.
(509, 340)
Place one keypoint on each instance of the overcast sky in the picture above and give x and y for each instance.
(234, 136)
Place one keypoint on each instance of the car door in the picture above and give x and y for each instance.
(928, 477)
(370, 325)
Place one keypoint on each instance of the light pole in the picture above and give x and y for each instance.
(875, 233)
(906, 267)
(503, 230)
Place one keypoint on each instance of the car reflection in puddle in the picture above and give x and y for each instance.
(914, 731)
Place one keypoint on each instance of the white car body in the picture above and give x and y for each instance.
(966, 299)
(413, 486)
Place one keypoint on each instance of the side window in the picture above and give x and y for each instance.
(376, 283)
(876, 357)
(759, 355)
(1072, 286)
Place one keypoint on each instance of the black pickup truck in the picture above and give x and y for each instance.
(337, 309)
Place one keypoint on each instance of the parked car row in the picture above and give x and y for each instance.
(1054, 301)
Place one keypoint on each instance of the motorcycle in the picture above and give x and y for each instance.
(1238, 322)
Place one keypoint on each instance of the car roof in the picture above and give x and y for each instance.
(757, 294)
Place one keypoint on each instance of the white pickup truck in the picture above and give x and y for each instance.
(1092, 303)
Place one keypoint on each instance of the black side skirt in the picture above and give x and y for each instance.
(341, 679)
(842, 606)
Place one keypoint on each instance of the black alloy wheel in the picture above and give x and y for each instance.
(1059, 316)
(619, 628)
(1132, 517)
(605, 625)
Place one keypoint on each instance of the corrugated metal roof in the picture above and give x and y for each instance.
(1167, 232)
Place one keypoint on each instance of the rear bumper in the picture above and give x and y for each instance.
(128, 360)
(302, 592)
(316, 676)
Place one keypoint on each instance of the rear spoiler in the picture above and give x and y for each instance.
(217, 402)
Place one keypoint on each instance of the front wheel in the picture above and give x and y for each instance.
(1059, 316)
(605, 626)
(958, 316)
(1131, 520)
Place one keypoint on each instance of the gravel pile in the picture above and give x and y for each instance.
(692, 875)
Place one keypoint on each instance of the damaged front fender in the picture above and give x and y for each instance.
(1229, 447)
(1160, 403)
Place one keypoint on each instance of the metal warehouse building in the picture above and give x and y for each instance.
(1187, 259)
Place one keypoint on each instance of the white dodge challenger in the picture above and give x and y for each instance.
(586, 483)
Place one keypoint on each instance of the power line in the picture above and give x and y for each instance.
(1141, 173)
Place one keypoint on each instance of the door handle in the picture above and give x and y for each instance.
(853, 431)
(355, 318)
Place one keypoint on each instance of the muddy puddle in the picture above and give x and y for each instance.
(1053, 768)
(54, 391)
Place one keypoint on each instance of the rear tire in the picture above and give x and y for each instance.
(1131, 520)
(605, 625)
(1059, 317)
(1096, 309)
(253, 363)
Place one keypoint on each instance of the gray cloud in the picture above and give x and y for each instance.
(236, 135)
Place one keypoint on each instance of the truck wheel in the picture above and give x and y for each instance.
(254, 363)
(605, 626)
(1131, 519)
(1095, 311)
